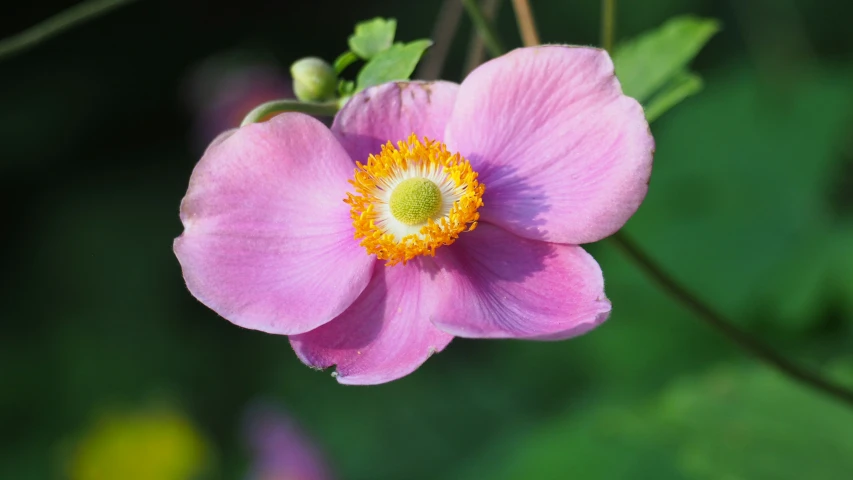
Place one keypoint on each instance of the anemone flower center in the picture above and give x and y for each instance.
(415, 201)
(413, 198)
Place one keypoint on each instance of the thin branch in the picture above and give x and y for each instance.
(608, 24)
(67, 19)
(716, 320)
(484, 28)
(526, 24)
(442, 34)
(476, 48)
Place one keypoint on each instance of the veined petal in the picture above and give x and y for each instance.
(386, 334)
(268, 241)
(392, 112)
(564, 155)
(494, 284)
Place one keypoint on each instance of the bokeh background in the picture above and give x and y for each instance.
(105, 358)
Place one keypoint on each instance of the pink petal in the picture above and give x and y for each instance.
(268, 242)
(392, 112)
(493, 284)
(564, 155)
(386, 334)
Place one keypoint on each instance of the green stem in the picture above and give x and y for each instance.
(484, 27)
(476, 47)
(344, 60)
(608, 24)
(741, 338)
(264, 110)
(442, 34)
(57, 24)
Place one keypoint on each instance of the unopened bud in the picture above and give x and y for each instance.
(314, 80)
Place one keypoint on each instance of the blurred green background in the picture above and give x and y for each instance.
(751, 207)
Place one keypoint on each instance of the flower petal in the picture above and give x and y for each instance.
(386, 334)
(564, 155)
(268, 242)
(392, 112)
(493, 284)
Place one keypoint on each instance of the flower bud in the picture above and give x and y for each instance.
(314, 80)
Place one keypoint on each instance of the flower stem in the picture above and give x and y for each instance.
(264, 110)
(56, 24)
(741, 338)
(526, 24)
(442, 34)
(608, 24)
(484, 27)
(476, 48)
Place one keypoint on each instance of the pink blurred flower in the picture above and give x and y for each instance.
(221, 90)
(565, 158)
(280, 449)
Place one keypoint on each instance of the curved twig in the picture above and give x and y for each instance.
(716, 320)
(56, 24)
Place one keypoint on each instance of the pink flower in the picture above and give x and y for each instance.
(565, 159)
(222, 89)
(281, 450)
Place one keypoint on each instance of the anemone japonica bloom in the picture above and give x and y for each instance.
(429, 210)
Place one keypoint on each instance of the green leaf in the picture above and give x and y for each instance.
(683, 85)
(372, 37)
(344, 60)
(395, 63)
(647, 63)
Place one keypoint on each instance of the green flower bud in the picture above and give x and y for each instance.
(314, 80)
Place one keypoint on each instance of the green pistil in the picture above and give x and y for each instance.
(415, 201)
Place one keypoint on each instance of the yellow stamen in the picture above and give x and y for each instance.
(411, 185)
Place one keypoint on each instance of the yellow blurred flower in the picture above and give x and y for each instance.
(143, 445)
